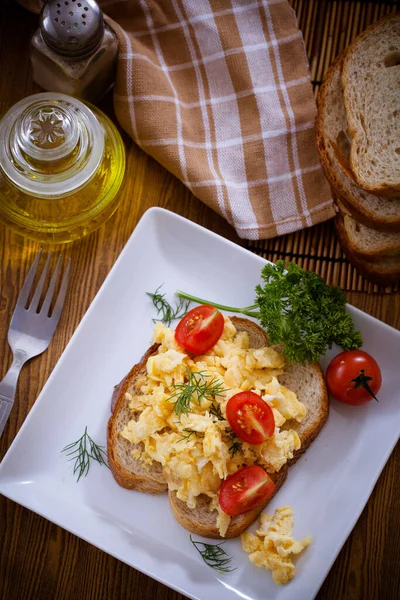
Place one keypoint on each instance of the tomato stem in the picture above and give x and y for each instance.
(247, 310)
(362, 381)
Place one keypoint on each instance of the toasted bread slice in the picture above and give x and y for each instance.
(333, 143)
(371, 87)
(308, 383)
(305, 380)
(202, 521)
(364, 242)
(130, 472)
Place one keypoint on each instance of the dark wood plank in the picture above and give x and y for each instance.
(39, 560)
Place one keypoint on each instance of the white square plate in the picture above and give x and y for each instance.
(327, 488)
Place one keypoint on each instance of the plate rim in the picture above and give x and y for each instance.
(159, 212)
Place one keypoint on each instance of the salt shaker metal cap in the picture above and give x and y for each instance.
(72, 28)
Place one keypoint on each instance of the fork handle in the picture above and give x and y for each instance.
(8, 386)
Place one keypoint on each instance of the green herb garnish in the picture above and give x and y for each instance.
(297, 308)
(82, 452)
(214, 555)
(236, 445)
(166, 311)
(189, 433)
(197, 388)
(215, 410)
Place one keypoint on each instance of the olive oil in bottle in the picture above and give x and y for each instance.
(62, 164)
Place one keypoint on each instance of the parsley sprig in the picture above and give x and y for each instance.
(197, 387)
(166, 311)
(214, 555)
(297, 308)
(82, 452)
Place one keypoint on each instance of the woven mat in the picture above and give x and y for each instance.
(328, 26)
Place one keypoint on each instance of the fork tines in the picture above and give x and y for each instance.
(28, 287)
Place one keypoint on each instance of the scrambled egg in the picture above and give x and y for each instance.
(198, 450)
(273, 545)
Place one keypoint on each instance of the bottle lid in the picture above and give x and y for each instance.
(50, 144)
(72, 28)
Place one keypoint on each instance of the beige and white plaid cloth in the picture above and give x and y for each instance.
(219, 93)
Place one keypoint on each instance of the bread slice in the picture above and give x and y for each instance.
(333, 143)
(364, 242)
(202, 521)
(371, 87)
(129, 472)
(384, 270)
(305, 380)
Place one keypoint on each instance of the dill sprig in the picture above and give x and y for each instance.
(166, 311)
(214, 555)
(82, 452)
(215, 410)
(236, 445)
(197, 388)
(191, 432)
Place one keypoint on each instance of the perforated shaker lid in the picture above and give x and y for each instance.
(72, 28)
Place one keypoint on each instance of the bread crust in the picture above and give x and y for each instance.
(360, 212)
(200, 520)
(152, 480)
(386, 272)
(386, 249)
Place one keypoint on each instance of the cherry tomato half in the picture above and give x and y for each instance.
(244, 490)
(250, 417)
(200, 329)
(354, 377)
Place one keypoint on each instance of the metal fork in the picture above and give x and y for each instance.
(30, 331)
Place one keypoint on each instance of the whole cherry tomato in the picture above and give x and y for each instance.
(354, 377)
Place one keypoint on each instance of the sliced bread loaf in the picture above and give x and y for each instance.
(365, 242)
(371, 87)
(333, 145)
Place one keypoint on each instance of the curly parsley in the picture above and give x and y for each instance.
(299, 310)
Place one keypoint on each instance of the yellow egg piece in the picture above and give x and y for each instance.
(273, 545)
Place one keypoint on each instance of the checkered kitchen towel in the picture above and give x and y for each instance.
(219, 92)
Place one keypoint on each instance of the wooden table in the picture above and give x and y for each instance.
(39, 560)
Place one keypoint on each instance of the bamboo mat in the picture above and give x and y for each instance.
(328, 26)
